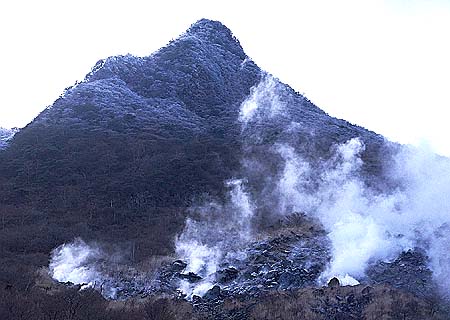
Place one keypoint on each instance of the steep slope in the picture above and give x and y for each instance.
(153, 121)
(159, 109)
(195, 154)
(6, 135)
(121, 155)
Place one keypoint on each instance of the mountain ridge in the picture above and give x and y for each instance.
(194, 153)
(166, 128)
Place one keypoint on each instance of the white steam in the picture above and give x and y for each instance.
(341, 203)
(201, 258)
(242, 209)
(365, 226)
(75, 262)
(262, 102)
(219, 234)
(427, 208)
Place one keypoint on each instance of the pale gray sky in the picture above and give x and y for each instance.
(383, 64)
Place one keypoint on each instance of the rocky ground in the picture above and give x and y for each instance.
(292, 258)
(279, 276)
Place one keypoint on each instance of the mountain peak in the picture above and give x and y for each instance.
(214, 32)
(204, 26)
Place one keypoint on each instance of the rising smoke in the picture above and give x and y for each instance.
(76, 262)
(218, 235)
(364, 225)
(351, 214)
(263, 102)
(88, 266)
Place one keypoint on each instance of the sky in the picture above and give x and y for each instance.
(381, 64)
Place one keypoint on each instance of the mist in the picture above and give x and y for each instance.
(76, 262)
(217, 235)
(89, 265)
(365, 225)
(364, 222)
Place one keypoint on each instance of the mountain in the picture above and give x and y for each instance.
(136, 119)
(140, 134)
(6, 135)
(186, 148)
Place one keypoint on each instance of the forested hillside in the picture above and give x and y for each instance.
(127, 157)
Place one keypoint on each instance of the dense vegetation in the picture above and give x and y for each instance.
(120, 156)
(310, 304)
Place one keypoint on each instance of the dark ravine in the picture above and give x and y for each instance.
(124, 157)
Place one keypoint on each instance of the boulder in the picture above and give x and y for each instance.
(213, 293)
(334, 283)
(226, 275)
(191, 277)
(179, 265)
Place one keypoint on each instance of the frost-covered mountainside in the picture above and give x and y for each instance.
(6, 135)
(171, 118)
(195, 175)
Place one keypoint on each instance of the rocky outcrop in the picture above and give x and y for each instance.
(408, 272)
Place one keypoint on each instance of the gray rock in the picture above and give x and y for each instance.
(213, 294)
(334, 283)
(191, 277)
(226, 275)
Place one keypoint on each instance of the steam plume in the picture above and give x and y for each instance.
(219, 234)
(75, 262)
